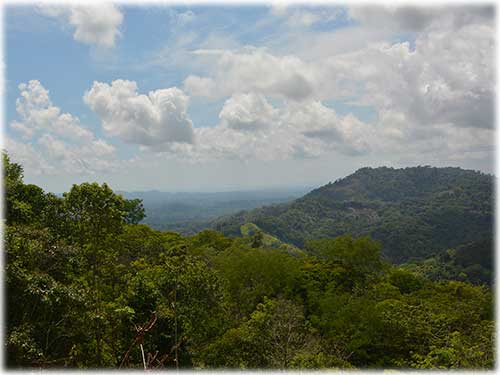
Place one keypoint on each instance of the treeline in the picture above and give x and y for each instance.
(86, 287)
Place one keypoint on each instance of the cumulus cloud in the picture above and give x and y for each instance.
(93, 24)
(151, 120)
(440, 81)
(256, 70)
(25, 131)
(29, 158)
(250, 128)
(455, 85)
(58, 142)
(429, 96)
(38, 114)
(247, 112)
(346, 134)
(91, 157)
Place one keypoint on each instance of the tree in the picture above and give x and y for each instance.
(275, 336)
(17, 210)
(135, 211)
(280, 327)
(45, 308)
(257, 239)
(359, 258)
(94, 214)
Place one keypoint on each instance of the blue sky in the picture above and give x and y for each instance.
(238, 97)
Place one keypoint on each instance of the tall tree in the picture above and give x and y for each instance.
(94, 214)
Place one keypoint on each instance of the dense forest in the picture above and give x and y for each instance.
(87, 286)
(414, 212)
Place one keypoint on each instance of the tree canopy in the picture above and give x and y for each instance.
(86, 286)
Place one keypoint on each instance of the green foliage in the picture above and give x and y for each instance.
(472, 262)
(82, 278)
(413, 212)
(461, 351)
(359, 259)
(405, 281)
(258, 238)
(276, 335)
(94, 212)
(43, 303)
(18, 210)
(254, 274)
(134, 211)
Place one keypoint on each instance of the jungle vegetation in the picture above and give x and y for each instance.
(88, 287)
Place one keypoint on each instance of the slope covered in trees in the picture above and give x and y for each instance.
(86, 286)
(414, 212)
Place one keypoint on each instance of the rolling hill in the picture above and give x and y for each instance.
(414, 212)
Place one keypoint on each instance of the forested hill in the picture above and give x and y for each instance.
(414, 212)
(88, 287)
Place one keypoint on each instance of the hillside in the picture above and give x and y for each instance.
(414, 212)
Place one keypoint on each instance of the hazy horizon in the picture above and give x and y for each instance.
(250, 189)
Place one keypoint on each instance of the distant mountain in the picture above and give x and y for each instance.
(414, 212)
(188, 213)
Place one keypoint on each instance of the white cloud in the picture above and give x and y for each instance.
(93, 24)
(152, 120)
(199, 86)
(250, 128)
(435, 101)
(25, 154)
(440, 81)
(247, 112)
(26, 132)
(92, 157)
(38, 114)
(430, 96)
(59, 144)
(303, 18)
(347, 134)
(391, 17)
(256, 70)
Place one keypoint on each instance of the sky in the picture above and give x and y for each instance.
(219, 97)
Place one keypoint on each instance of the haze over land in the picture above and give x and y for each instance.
(188, 213)
(227, 98)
